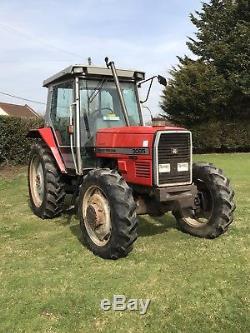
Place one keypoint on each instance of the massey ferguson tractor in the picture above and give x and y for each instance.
(95, 146)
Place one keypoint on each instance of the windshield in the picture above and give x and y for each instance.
(100, 105)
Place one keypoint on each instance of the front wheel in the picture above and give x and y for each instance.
(214, 203)
(107, 214)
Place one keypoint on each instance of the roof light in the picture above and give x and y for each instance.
(77, 70)
(139, 75)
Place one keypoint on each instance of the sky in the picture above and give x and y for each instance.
(40, 38)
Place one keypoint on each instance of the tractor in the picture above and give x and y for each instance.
(95, 147)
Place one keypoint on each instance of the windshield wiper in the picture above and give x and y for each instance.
(96, 91)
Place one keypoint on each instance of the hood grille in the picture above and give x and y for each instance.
(173, 148)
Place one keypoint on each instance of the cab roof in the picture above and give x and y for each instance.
(92, 71)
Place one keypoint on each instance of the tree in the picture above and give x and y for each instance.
(215, 86)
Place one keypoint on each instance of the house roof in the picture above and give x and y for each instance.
(15, 110)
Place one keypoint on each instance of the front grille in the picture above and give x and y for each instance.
(142, 169)
(174, 148)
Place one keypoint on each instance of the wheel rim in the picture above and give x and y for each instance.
(96, 215)
(202, 215)
(37, 181)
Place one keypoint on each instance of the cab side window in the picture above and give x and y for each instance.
(62, 98)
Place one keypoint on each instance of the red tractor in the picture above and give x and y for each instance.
(95, 146)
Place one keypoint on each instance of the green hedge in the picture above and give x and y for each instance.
(14, 146)
(207, 138)
(221, 137)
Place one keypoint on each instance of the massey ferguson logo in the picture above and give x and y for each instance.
(174, 151)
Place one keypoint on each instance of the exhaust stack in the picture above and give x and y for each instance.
(111, 65)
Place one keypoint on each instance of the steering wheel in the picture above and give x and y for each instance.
(101, 109)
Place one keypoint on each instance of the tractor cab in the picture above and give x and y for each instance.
(82, 100)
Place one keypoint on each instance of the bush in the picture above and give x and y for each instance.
(207, 138)
(221, 137)
(14, 146)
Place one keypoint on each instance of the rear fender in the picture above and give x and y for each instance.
(47, 136)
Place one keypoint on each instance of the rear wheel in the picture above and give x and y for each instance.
(46, 188)
(107, 214)
(214, 203)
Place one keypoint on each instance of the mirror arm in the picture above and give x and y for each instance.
(149, 89)
(144, 81)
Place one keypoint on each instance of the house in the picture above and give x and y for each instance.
(15, 110)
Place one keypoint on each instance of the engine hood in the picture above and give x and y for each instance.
(133, 136)
(139, 129)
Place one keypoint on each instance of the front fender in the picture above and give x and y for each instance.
(46, 134)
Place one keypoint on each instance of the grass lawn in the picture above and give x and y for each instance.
(51, 283)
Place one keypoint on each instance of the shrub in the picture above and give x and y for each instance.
(207, 138)
(221, 137)
(14, 146)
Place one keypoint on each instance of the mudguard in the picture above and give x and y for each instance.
(46, 134)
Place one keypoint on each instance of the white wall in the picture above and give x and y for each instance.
(3, 113)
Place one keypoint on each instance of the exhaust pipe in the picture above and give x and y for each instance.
(111, 65)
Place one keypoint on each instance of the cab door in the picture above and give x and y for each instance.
(62, 117)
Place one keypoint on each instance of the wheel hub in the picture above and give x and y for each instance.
(91, 216)
(97, 216)
(37, 181)
(202, 213)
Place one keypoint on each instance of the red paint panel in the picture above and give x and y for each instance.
(122, 166)
(47, 135)
(139, 129)
(135, 168)
(124, 140)
(135, 175)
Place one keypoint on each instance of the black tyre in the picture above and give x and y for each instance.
(107, 214)
(215, 205)
(46, 188)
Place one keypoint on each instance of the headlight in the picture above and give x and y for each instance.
(164, 168)
(182, 167)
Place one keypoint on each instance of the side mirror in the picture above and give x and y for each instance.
(162, 80)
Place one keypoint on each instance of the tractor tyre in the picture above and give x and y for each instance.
(107, 214)
(46, 187)
(215, 208)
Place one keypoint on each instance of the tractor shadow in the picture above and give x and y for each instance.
(71, 220)
(150, 226)
(147, 225)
